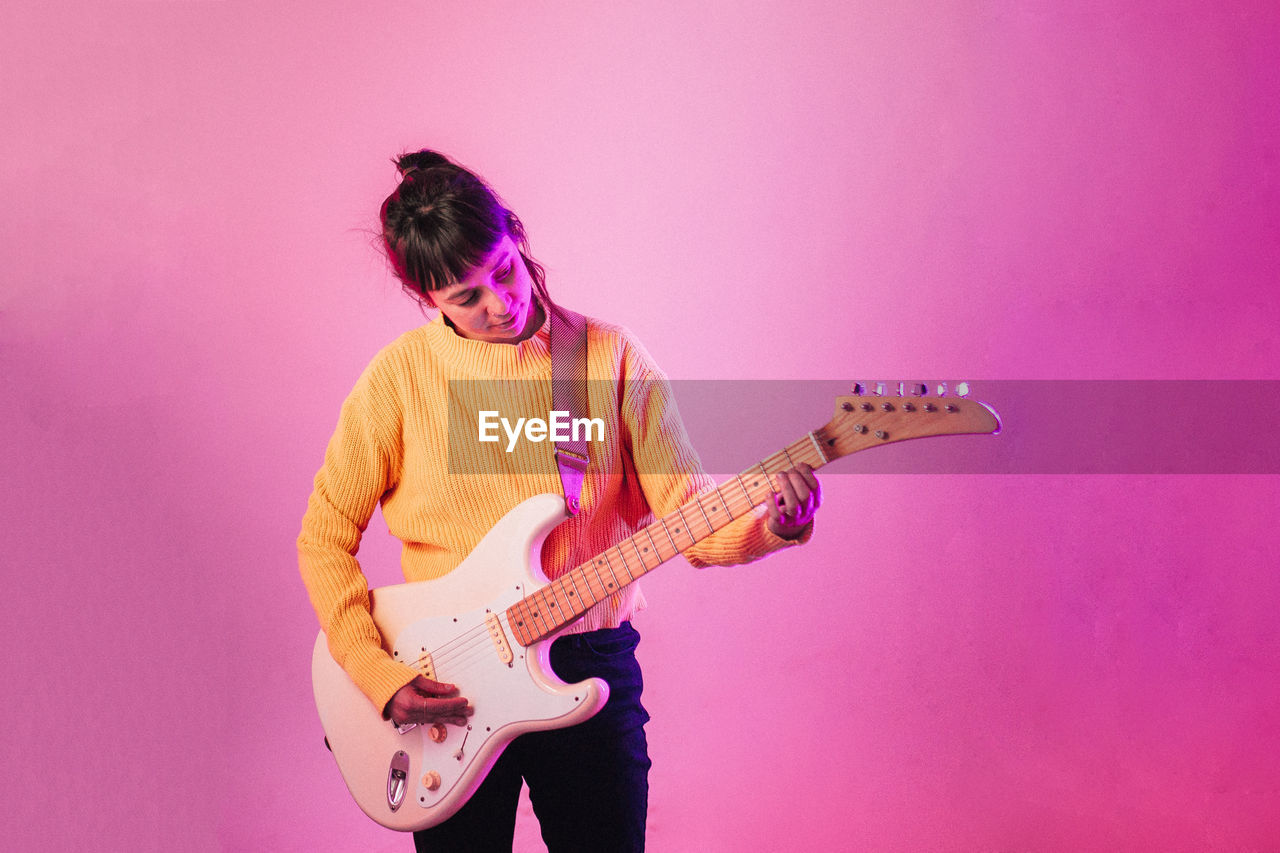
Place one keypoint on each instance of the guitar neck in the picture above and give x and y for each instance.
(568, 597)
(860, 422)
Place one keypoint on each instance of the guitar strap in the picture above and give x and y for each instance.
(569, 394)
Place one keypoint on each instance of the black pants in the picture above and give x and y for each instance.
(589, 783)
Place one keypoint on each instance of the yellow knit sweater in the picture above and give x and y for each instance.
(407, 438)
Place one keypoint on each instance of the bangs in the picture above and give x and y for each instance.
(439, 244)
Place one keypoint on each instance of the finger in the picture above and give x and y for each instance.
(435, 708)
(427, 687)
(804, 481)
(790, 502)
(807, 474)
(815, 486)
(807, 490)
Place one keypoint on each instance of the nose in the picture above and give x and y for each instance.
(500, 301)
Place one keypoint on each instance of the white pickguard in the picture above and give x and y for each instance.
(509, 698)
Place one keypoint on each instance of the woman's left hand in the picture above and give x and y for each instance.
(798, 497)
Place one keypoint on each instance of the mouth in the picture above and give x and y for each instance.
(509, 323)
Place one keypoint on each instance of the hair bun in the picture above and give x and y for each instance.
(424, 159)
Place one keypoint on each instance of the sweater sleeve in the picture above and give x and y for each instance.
(670, 471)
(361, 464)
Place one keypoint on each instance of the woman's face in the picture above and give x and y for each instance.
(494, 301)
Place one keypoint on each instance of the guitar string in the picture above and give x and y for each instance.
(454, 650)
(458, 651)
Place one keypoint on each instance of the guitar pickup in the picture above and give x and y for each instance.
(499, 638)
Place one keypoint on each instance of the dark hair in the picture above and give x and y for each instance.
(442, 221)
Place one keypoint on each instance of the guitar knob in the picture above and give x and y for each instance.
(437, 733)
(431, 781)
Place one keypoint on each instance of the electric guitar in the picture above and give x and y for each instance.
(488, 625)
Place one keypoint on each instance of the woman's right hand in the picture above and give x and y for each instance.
(424, 701)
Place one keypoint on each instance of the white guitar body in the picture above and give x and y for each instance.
(411, 780)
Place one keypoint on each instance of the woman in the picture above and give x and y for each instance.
(458, 249)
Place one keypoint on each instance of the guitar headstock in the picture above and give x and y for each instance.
(884, 412)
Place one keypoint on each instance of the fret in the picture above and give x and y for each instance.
(595, 591)
(790, 462)
(711, 528)
(538, 611)
(719, 512)
(751, 498)
(603, 560)
(768, 480)
(726, 502)
(623, 558)
(683, 529)
(518, 616)
(574, 594)
(663, 524)
(635, 546)
(551, 600)
(647, 532)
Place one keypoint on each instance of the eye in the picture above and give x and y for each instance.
(505, 275)
(470, 300)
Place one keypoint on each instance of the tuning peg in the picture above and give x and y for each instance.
(942, 389)
(919, 389)
(962, 389)
(859, 389)
(879, 389)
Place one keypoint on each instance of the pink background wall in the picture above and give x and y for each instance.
(1002, 190)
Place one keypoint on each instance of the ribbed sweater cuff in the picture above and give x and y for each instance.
(377, 674)
(757, 540)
